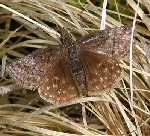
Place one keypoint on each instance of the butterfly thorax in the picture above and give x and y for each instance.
(72, 55)
(76, 67)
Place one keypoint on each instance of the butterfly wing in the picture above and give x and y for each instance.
(58, 85)
(100, 52)
(102, 72)
(114, 42)
(30, 70)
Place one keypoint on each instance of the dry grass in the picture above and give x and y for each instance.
(35, 24)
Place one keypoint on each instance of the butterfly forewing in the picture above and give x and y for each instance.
(102, 72)
(30, 70)
(114, 42)
(59, 86)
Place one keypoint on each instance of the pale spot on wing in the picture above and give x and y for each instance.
(63, 82)
(51, 96)
(71, 88)
(101, 80)
(115, 76)
(118, 71)
(46, 80)
(106, 70)
(45, 93)
(56, 78)
(99, 64)
(19, 71)
(112, 67)
(97, 87)
(55, 86)
(104, 85)
(38, 78)
(94, 80)
(105, 77)
(48, 87)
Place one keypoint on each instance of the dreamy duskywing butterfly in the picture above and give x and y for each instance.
(87, 66)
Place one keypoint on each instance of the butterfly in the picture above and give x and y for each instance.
(74, 69)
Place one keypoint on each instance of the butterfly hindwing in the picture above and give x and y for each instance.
(58, 85)
(102, 72)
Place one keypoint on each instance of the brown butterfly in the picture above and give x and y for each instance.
(87, 66)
